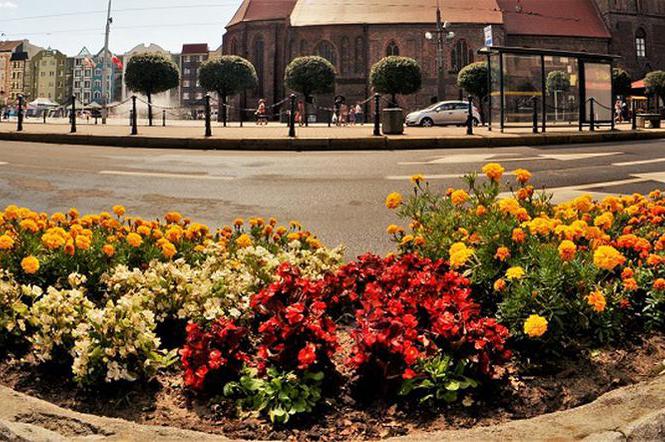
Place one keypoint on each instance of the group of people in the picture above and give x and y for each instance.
(621, 113)
(345, 115)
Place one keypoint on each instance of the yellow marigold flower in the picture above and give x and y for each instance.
(244, 241)
(535, 326)
(393, 200)
(417, 179)
(459, 254)
(6, 242)
(502, 253)
(604, 221)
(119, 210)
(522, 175)
(199, 248)
(509, 205)
(30, 265)
(418, 241)
(493, 171)
(607, 258)
(567, 250)
(583, 203)
(174, 233)
(134, 240)
(168, 249)
(29, 225)
(597, 301)
(314, 243)
(515, 273)
(406, 240)
(295, 225)
(499, 285)
(11, 212)
(108, 250)
(82, 242)
(393, 229)
(144, 230)
(459, 197)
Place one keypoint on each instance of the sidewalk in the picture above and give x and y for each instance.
(190, 135)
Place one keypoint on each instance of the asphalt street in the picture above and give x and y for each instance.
(337, 195)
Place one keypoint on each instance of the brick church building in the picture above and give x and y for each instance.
(355, 34)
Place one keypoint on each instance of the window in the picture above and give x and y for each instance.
(199, 96)
(186, 59)
(88, 72)
(185, 96)
(641, 43)
(392, 49)
(303, 47)
(98, 84)
(77, 84)
(188, 71)
(326, 50)
(86, 85)
(460, 56)
(346, 62)
(259, 57)
(234, 47)
(186, 83)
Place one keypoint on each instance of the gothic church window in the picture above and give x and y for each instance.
(392, 49)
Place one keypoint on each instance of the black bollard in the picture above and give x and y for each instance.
(377, 115)
(633, 115)
(164, 118)
(207, 116)
(292, 116)
(469, 117)
(534, 116)
(241, 116)
(135, 130)
(592, 116)
(44, 116)
(19, 124)
(73, 116)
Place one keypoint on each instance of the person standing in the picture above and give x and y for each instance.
(261, 118)
(360, 117)
(352, 116)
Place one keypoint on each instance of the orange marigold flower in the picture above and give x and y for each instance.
(502, 253)
(522, 175)
(459, 197)
(567, 250)
(481, 210)
(82, 242)
(30, 265)
(134, 240)
(108, 250)
(493, 171)
(597, 301)
(607, 258)
(173, 217)
(6, 242)
(499, 285)
(630, 284)
(659, 284)
(70, 248)
(393, 200)
(417, 178)
(168, 249)
(119, 210)
(518, 235)
(627, 273)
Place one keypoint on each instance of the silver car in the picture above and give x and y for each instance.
(443, 113)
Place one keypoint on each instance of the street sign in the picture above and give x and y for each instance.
(489, 38)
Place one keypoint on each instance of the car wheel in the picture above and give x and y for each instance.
(427, 122)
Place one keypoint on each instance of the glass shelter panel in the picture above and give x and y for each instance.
(495, 89)
(522, 84)
(563, 90)
(598, 85)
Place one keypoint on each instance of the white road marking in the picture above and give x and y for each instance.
(166, 175)
(637, 163)
(481, 158)
(427, 177)
(3, 163)
(652, 176)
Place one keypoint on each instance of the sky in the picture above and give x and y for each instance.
(68, 25)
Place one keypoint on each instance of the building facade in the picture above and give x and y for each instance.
(87, 77)
(354, 34)
(50, 76)
(15, 78)
(191, 92)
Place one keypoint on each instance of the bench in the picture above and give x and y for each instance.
(652, 119)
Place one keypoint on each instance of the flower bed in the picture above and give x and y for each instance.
(260, 328)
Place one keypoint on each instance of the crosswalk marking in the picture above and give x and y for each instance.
(166, 175)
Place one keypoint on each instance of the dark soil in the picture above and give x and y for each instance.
(528, 391)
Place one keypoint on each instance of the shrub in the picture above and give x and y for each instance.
(310, 75)
(228, 75)
(396, 75)
(473, 79)
(557, 81)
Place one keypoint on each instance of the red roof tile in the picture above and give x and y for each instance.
(197, 48)
(327, 12)
(260, 10)
(9, 45)
(569, 18)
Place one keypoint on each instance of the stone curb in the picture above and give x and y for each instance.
(333, 144)
(633, 413)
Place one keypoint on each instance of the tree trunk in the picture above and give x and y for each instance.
(149, 109)
(305, 108)
(224, 109)
(394, 101)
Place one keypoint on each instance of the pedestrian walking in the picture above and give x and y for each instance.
(300, 113)
(360, 117)
(344, 114)
(618, 112)
(352, 116)
(261, 117)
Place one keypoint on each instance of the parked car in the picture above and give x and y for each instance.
(443, 113)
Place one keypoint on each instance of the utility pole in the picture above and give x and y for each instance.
(105, 66)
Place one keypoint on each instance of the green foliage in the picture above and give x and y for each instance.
(473, 79)
(396, 75)
(621, 82)
(441, 380)
(310, 75)
(227, 75)
(557, 81)
(655, 83)
(151, 74)
(280, 395)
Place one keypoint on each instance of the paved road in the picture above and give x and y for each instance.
(337, 195)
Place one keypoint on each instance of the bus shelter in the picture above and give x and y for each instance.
(531, 88)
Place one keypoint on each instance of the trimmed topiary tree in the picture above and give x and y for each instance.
(621, 82)
(150, 74)
(228, 75)
(396, 75)
(557, 81)
(310, 75)
(473, 79)
(655, 83)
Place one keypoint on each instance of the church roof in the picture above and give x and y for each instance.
(327, 12)
(566, 18)
(260, 10)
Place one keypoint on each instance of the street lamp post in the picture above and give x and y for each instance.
(440, 35)
(105, 80)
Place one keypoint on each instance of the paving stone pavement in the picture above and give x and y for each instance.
(633, 413)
